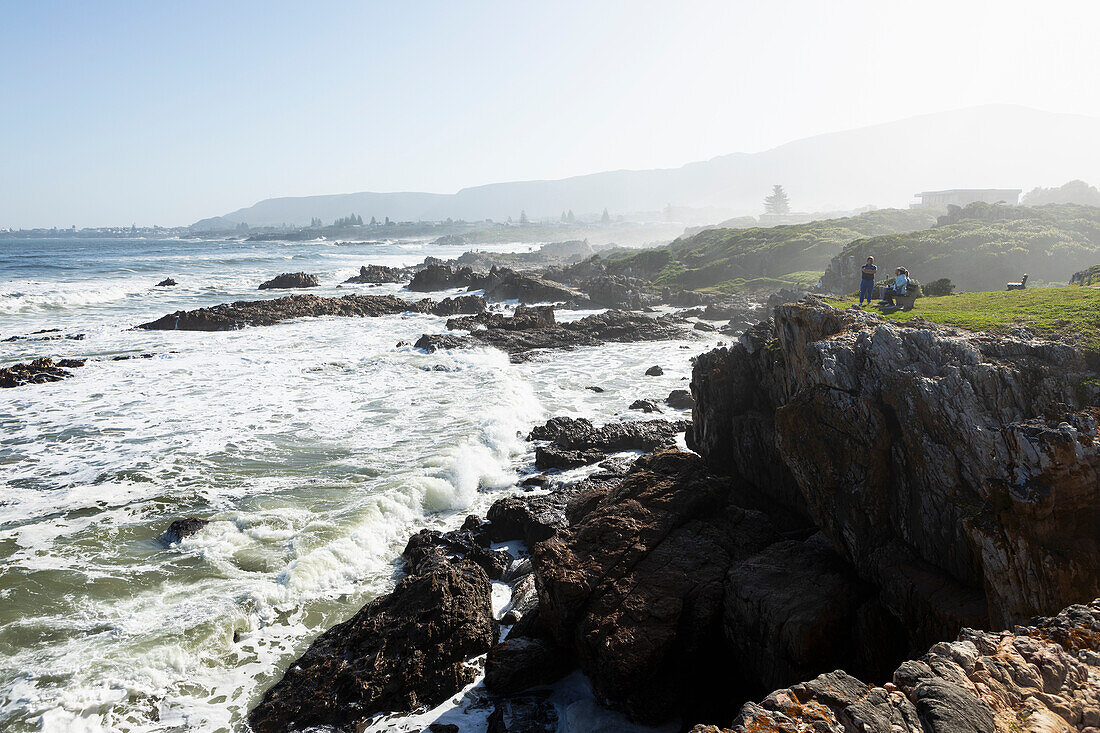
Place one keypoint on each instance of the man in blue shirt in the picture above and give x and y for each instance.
(867, 283)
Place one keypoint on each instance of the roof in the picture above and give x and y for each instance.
(971, 190)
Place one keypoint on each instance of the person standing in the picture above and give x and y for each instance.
(867, 281)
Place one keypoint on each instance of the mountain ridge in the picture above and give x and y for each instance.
(884, 164)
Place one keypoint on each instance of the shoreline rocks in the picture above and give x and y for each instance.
(291, 280)
(376, 275)
(166, 283)
(232, 316)
(39, 371)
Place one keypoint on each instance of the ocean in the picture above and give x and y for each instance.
(316, 447)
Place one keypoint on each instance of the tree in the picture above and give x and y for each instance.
(523, 217)
(777, 203)
(1074, 192)
(606, 218)
(373, 222)
(387, 221)
(563, 217)
(571, 219)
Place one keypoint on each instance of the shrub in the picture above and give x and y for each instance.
(940, 287)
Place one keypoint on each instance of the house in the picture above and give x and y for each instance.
(964, 196)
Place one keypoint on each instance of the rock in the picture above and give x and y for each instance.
(401, 651)
(615, 291)
(440, 277)
(527, 714)
(182, 528)
(537, 518)
(645, 406)
(633, 588)
(680, 399)
(38, 371)
(291, 280)
(518, 663)
(471, 544)
(435, 341)
(654, 371)
(596, 389)
(704, 327)
(577, 442)
(166, 283)
(376, 274)
(443, 728)
(231, 316)
(984, 681)
(505, 284)
(959, 473)
(531, 330)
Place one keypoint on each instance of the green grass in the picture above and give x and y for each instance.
(1043, 310)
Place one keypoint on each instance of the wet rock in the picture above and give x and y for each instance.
(596, 389)
(443, 728)
(616, 291)
(645, 406)
(401, 651)
(680, 399)
(633, 587)
(231, 316)
(527, 714)
(182, 528)
(435, 341)
(554, 457)
(166, 283)
(471, 542)
(377, 274)
(440, 277)
(576, 442)
(508, 285)
(521, 662)
(654, 371)
(291, 280)
(39, 371)
(704, 327)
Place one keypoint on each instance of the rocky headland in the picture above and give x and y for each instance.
(861, 493)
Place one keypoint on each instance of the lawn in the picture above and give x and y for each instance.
(1043, 310)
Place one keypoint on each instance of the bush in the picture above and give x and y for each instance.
(940, 287)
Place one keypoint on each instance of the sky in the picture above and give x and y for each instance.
(114, 113)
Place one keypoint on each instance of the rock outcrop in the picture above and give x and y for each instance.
(532, 329)
(182, 528)
(39, 371)
(291, 280)
(231, 316)
(166, 283)
(570, 442)
(401, 651)
(1041, 677)
(377, 274)
(959, 473)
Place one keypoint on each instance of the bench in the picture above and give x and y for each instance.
(902, 302)
(1022, 285)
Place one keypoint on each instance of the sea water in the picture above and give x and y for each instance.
(315, 446)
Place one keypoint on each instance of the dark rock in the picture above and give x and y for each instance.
(375, 274)
(553, 457)
(705, 327)
(518, 663)
(435, 341)
(680, 399)
(166, 283)
(528, 714)
(596, 389)
(579, 434)
(443, 728)
(291, 280)
(440, 277)
(615, 291)
(38, 371)
(654, 371)
(471, 544)
(645, 406)
(183, 528)
(230, 316)
(508, 285)
(401, 651)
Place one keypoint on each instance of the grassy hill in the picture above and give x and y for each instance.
(982, 247)
(761, 257)
(1045, 311)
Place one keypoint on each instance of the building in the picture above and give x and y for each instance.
(964, 196)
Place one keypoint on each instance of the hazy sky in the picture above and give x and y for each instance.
(166, 112)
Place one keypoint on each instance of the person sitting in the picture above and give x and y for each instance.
(900, 287)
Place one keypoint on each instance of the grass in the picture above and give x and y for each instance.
(1046, 311)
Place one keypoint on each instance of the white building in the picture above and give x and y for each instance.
(964, 196)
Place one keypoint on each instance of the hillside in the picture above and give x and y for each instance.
(884, 165)
(729, 258)
(982, 248)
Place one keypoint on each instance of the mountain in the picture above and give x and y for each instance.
(996, 146)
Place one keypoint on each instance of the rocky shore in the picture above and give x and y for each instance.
(862, 493)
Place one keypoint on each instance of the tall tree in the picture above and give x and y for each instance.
(523, 217)
(571, 218)
(777, 203)
(606, 218)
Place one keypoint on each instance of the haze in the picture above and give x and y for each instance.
(161, 113)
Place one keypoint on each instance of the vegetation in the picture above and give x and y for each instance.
(1045, 311)
(938, 288)
(1074, 192)
(348, 221)
(724, 257)
(982, 246)
(1088, 276)
(777, 202)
